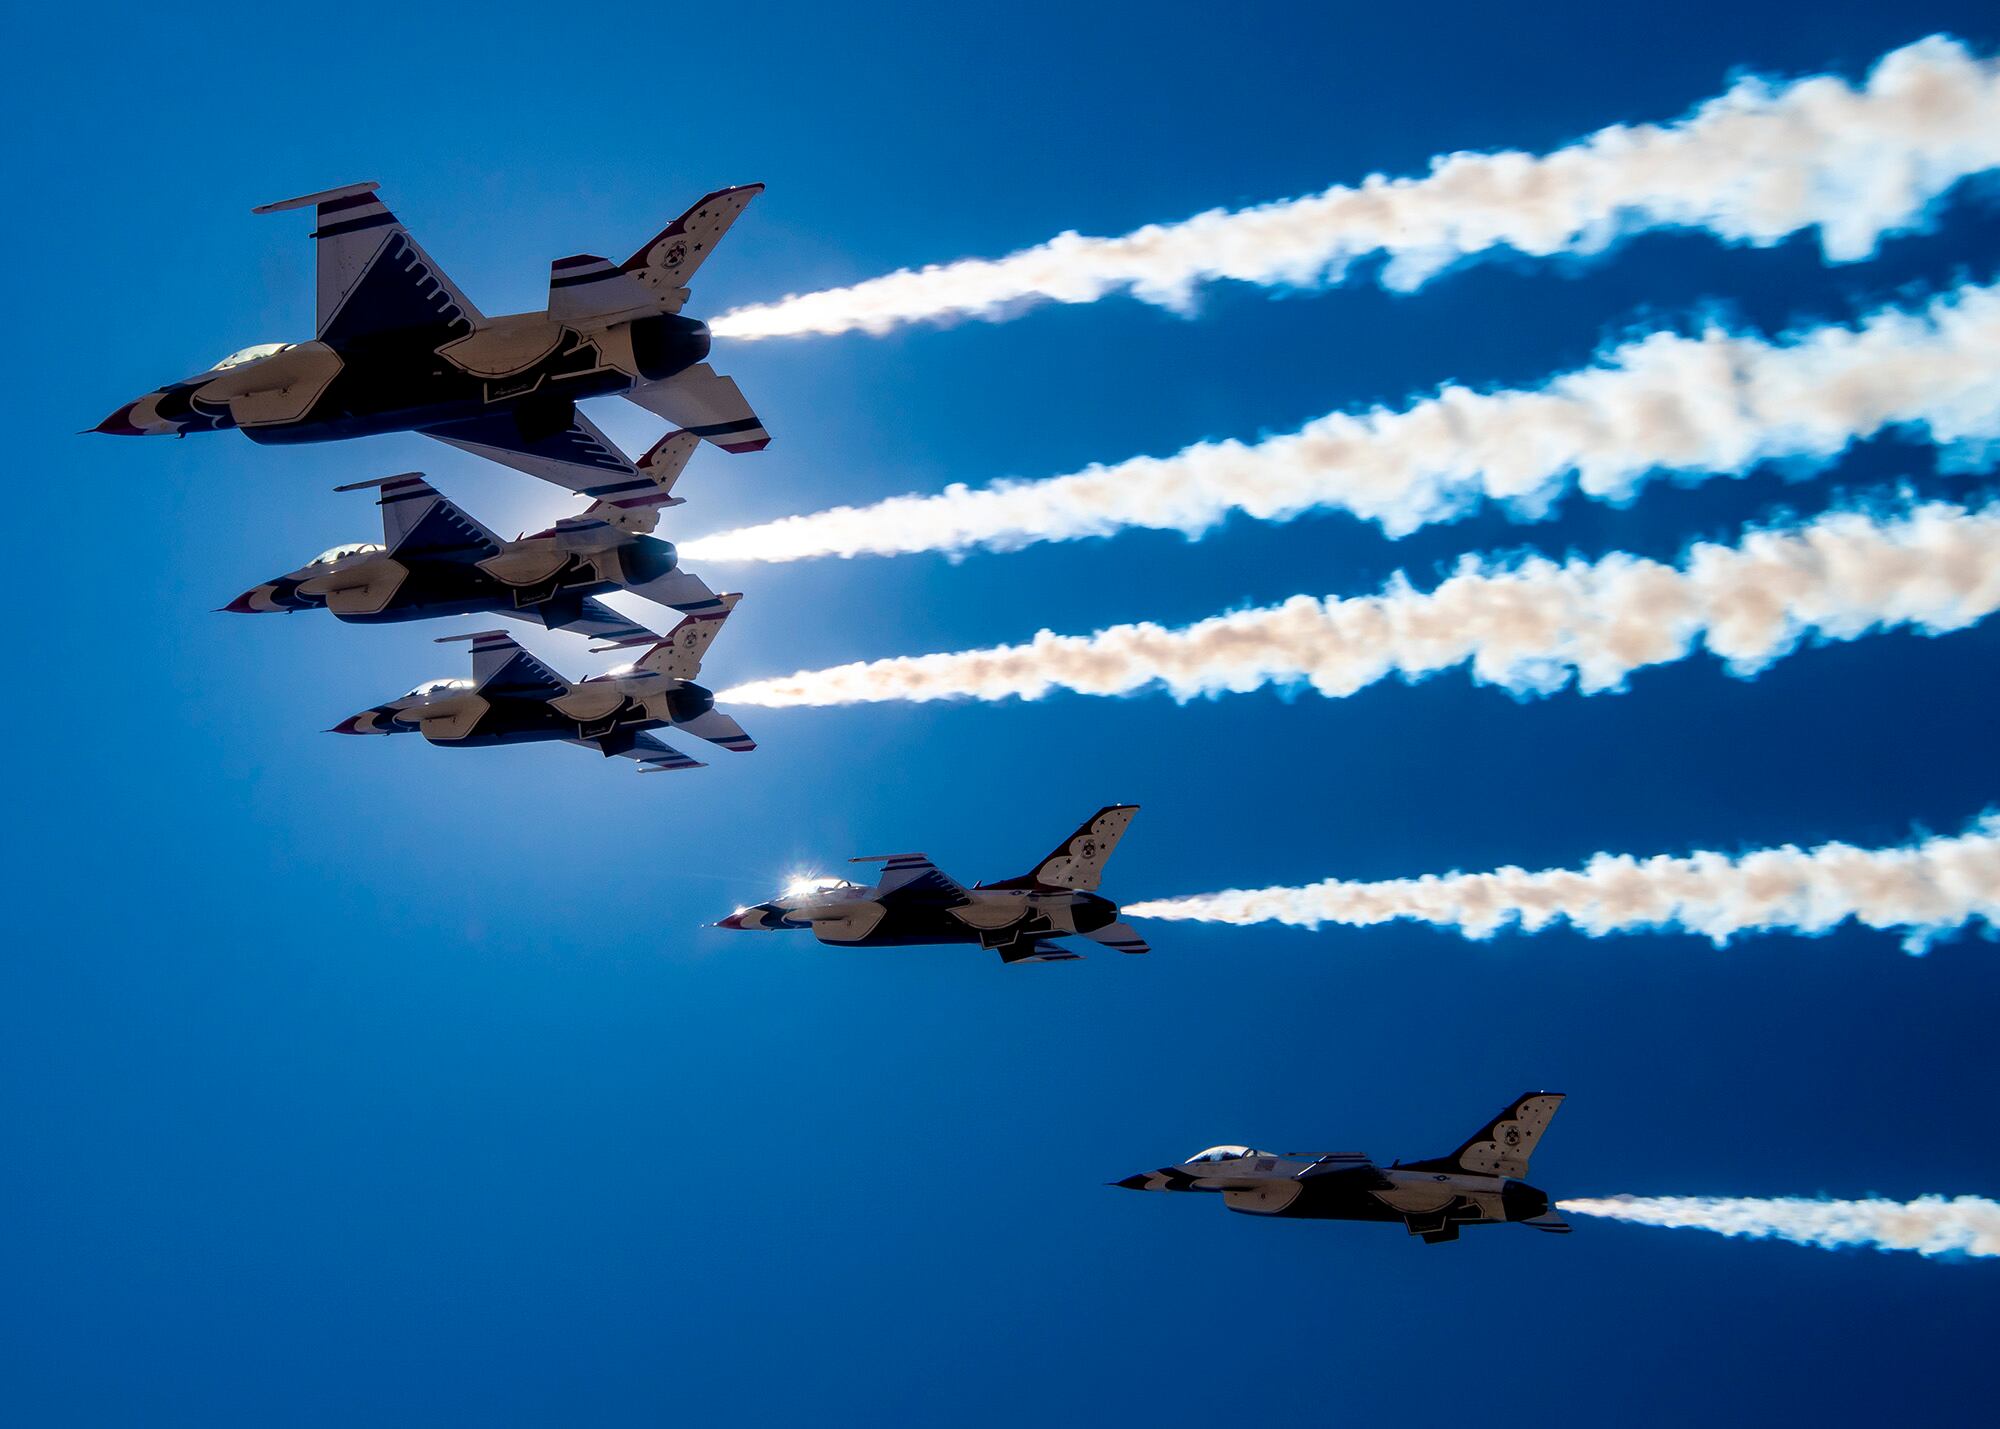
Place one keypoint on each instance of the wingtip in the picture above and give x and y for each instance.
(306, 200)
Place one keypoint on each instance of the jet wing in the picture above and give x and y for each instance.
(373, 276)
(418, 522)
(580, 459)
(639, 508)
(913, 878)
(654, 756)
(589, 617)
(500, 667)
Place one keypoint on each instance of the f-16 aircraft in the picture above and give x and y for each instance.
(915, 903)
(398, 347)
(435, 560)
(1481, 1182)
(513, 698)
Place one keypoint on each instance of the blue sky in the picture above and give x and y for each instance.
(356, 1079)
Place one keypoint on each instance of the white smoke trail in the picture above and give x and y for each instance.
(1531, 625)
(1755, 164)
(1717, 402)
(1929, 1225)
(1922, 890)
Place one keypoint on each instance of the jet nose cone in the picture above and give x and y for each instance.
(255, 601)
(734, 920)
(119, 423)
(140, 419)
(1135, 1183)
(363, 723)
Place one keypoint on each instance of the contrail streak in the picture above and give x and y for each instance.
(1531, 625)
(1713, 403)
(1929, 1225)
(1755, 164)
(1921, 890)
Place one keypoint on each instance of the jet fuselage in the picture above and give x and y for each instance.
(451, 712)
(847, 915)
(1481, 1183)
(529, 367)
(915, 903)
(365, 585)
(1350, 1188)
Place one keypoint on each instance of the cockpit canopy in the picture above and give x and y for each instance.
(250, 354)
(1223, 1153)
(430, 688)
(341, 553)
(814, 885)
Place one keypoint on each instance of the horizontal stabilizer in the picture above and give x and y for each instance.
(702, 401)
(718, 728)
(683, 591)
(1036, 950)
(1120, 938)
(1549, 1221)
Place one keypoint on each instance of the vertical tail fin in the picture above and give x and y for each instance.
(1502, 1146)
(668, 458)
(636, 505)
(679, 656)
(667, 260)
(1078, 861)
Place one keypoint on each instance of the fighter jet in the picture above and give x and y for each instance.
(1481, 1182)
(435, 560)
(914, 902)
(398, 347)
(513, 698)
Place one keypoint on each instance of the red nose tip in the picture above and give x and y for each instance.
(119, 423)
(241, 605)
(350, 725)
(734, 920)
